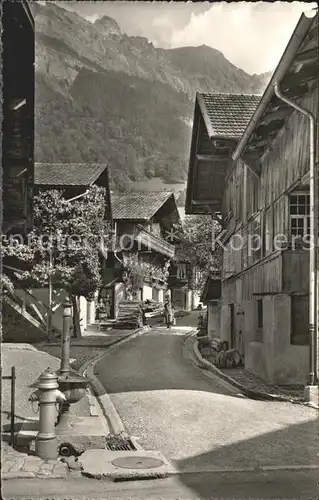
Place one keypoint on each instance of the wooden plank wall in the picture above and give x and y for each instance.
(296, 271)
(264, 277)
(288, 158)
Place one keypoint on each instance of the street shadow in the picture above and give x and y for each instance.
(295, 445)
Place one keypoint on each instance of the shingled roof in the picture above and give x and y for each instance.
(139, 205)
(67, 174)
(227, 115)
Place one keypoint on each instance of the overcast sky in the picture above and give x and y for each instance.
(252, 36)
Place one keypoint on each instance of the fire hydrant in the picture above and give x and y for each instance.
(48, 395)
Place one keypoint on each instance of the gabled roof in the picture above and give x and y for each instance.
(141, 205)
(296, 74)
(227, 115)
(67, 174)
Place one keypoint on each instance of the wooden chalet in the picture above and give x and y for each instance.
(18, 116)
(33, 304)
(219, 122)
(73, 179)
(178, 282)
(143, 224)
(263, 203)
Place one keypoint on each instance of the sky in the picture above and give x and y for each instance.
(252, 35)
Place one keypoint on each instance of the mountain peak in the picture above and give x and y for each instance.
(108, 26)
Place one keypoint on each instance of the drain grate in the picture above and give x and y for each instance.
(119, 444)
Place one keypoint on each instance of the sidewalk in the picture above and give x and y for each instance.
(16, 465)
(249, 384)
(30, 361)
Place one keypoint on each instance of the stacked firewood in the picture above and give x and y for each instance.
(153, 308)
(130, 315)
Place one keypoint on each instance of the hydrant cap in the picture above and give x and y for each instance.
(48, 380)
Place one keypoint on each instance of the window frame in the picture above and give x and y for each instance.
(299, 216)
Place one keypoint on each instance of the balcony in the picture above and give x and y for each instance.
(154, 243)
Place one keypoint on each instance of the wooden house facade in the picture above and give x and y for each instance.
(265, 215)
(73, 180)
(18, 116)
(143, 224)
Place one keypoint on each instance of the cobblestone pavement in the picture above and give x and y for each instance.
(86, 348)
(16, 465)
(30, 361)
(254, 383)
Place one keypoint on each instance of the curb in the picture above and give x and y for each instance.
(251, 393)
(108, 409)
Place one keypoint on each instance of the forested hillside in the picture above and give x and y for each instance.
(102, 96)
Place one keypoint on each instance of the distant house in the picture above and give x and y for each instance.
(73, 179)
(180, 273)
(219, 122)
(260, 192)
(143, 226)
(210, 297)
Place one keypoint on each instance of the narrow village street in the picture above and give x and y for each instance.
(159, 251)
(196, 420)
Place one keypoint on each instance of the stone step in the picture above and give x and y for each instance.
(125, 465)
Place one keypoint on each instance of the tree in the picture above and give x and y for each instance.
(137, 272)
(66, 242)
(13, 248)
(195, 245)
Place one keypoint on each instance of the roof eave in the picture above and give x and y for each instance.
(202, 107)
(128, 219)
(285, 62)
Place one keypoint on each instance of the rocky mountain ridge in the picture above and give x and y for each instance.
(103, 96)
(102, 46)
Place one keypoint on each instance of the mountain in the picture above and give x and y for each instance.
(102, 96)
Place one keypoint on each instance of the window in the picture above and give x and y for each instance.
(254, 194)
(256, 239)
(245, 250)
(260, 313)
(229, 261)
(155, 294)
(299, 214)
(181, 271)
(259, 320)
(268, 232)
(155, 228)
(299, 320)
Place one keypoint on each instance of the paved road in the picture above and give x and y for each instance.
(294, 485)
(194, 419)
